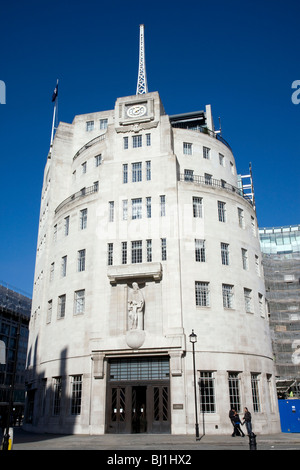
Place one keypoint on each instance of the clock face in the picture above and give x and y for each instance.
(136, 110)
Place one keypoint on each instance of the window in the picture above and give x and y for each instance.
(206, 153)
(162, 206)
(245, 259)
(149, 251)
(248, 300)
(98, 160)
(81, 260)
(227, 292)
(110, 251)
(83, 219)
(125, 143)
(79, 302)
(148, 207)
(257, 267)
(253, 226)
(261, 305)
(202, 294)
(125, 209)
(234, 391)
(124, 252)
(222, 211)
(64, 266)
(163, 249)
(52, 271)
(136, 252)
(136, 172)
(57, 385)
(125, 173)
(197, 206)
(83, 167)
(208, 178)
(200, 250)
(221, 159)
(255, 392)
(137, 208)
(136, 141)
(241, 217)
(207, 392)
(148, 170)
(76, 393)
(90, 126)
(66, 225)
(111, 205)
(187, 148)
(61, 306)
(148, 140)
(188, 175)
(103, 123)
(49, 312)
(225, 253)
(55, 233)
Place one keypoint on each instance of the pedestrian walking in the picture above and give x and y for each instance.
(247, 420)
(231, 416)
(237, 428)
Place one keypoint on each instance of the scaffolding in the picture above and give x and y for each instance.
(281, 262)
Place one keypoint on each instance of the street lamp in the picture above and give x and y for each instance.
(193, 340)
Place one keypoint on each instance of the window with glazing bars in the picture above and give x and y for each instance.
(148, 170)
(139, 369)
(81, 260)
(76, 394)
(149, 251)
(110, 251)
(57, 384)
(79, 302)
(83, 219)
(162, 206)
(163, 249)
(197, 206)
(234, 391)
(137, 208)
(255, 392)
(61, 306)
(225, 253)
(202, 294)
(125, 173)
(200, 250)
(124, 252)
(207, 392)
(136, 141)
(136, 251)
(136, 172)
(227, 292)
(248, 300)
(148, 207)
(111, 211)
(187, 148)
(222, 211)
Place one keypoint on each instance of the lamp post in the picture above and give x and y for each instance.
(193, 340)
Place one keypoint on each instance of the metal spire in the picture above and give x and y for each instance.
(142, 79)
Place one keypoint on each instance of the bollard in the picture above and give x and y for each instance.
(252, 441)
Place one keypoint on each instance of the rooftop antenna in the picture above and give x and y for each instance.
(142, 87)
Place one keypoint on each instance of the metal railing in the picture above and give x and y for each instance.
(82, 193)
(89, 144)
(203, 130)
(203, 180)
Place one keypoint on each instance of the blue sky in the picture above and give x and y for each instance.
(239, 56)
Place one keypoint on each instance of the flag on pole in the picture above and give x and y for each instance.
(55, 93)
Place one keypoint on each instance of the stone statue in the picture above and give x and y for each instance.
(135, 308)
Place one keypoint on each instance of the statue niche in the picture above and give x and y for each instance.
(135, 308)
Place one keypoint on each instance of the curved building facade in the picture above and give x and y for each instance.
(145, 236)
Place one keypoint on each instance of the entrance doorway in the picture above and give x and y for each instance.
(139, 413)
(139, 404)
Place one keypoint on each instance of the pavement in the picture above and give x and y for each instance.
(116, 445)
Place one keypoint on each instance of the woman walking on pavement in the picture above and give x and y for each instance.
(237, 429)
(247, 420)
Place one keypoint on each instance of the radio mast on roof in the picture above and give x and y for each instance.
(142, 79)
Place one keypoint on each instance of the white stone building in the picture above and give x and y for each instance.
(144, 236)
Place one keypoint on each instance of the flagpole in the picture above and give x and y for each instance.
(54, 98)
